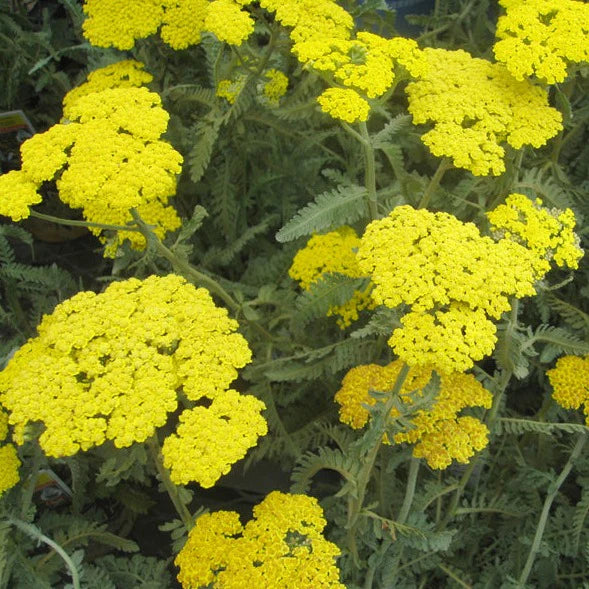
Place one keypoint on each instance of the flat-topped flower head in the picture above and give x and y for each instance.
(542, 38)
(110, 366)
(452, 279)
(122, 74)
(125, 122)
(210, 439)
(451, 339)
(311, 19)
(570, 383)
(367, 64)
(477, 106)
(333, 253)
(344, 104)
(281, 546)
(120, 23)
(439, 433)
(548, 233)
(425, 260)
(18, 193)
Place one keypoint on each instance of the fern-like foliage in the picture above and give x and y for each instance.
(515, 426)
(570, 314)
(536, 183)
(206, 132)
(331, 209)
(143, 572)
(399, 124)
(330, 291)
(580, 516)
(558, 340)
(326, 458)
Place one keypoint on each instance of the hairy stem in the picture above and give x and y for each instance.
(370, 172)
(35, 533)
(443, 167)
(490, 421)
(171, 488)
(29, 486)
(87, 224)
(182, 266)
(355, 504)
(552, 493)
(409, 491)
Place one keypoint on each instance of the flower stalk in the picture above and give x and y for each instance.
(171, 488)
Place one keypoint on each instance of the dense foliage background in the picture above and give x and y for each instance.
(260, 176)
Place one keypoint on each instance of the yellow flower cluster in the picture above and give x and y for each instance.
(122, 74)
(118, 23)
(282, 546)
(452, 278)
(365, 66)
(438, 433)
(230, 89)
(276, 86)
(124, 122)
(548, 233)
(199, 451)
(570, 381)
(311, 19)
(344, 104)
(9, 461)
(110, 366)
(332, 253)
(476, 106)
(17, 194)
(542, 37)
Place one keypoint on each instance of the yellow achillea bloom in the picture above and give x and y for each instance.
(228, 22)
(109, 366)
(140, 171)
(230, 89)
(542, 37)
(122, 74)
(17, 194)
(119, 23)
(548, 233)
(9, 461)
(199, 450)
(439, 434)
(282, 546)
(333, 253)
(366, 64)
(452, 279)
(476, 106)
(311, 19)
(451, 339)
(183, 22)
(344, 104)
(275, 88)
(570, 381)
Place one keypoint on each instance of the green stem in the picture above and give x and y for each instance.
(552, 493)
(409, 490)
(490, 420)
(34, 532)
(86, 224)
(370, 174)
(445, 164)
(29, 487)
(171, 488)
(182, 266)
(355, 504)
